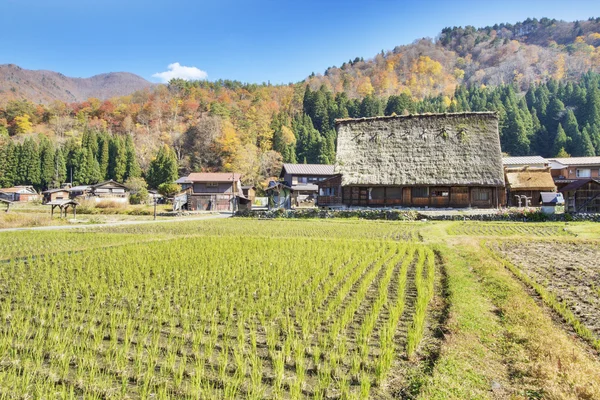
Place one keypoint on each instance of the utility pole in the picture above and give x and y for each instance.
(154, 197)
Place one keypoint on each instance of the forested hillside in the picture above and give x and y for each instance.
(540, 76)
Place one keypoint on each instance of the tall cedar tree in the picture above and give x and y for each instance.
(163, 169)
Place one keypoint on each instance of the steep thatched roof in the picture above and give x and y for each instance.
(530, 178)
(430, 149)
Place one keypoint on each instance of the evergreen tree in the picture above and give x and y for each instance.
(29, 162)
(588, 149)
(515, 136)
(46, 162)
(94, 174)
(560, 141)
(370, 106)
(117, 166)
(60, 168)
(81, 169)
(574, 140)
(103, 155)
(132, 168)
(399, 105)
(163, 169)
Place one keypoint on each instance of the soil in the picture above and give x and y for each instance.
(571, 271)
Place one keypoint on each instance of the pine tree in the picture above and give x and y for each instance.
(46, 162)
(29, 162)
(81, 169)
(117, 166)
(163, 168)
(60, 168)
(103, 155)
(574, 140)
(94, 174)
(560, 141)
(132, 168)
(588, 149)
(515, 136)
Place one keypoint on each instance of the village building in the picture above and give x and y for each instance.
(19, 194)
(567, 170)
(430, 160)
(55, 195)
(525, 184)
(210, 191)
(582, 196)
(526, 161)
(303, 180)
(79, 191)
(279, 195)
(552, 202)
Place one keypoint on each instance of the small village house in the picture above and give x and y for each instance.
(279, 195)
(303, 180)
(55, 195)
(582, 196)
(524, 185)
(19, 194)
(525, 161)
(79, 191)
(109, 191)
(567, 170)
(430, 160)
(210, 191)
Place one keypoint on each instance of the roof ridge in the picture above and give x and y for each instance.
(409, 116)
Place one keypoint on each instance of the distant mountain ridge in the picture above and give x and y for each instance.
(41, 86)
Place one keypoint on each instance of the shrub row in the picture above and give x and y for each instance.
(526, 215)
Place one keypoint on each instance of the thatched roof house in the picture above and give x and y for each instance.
(420, 160)
(528, 183)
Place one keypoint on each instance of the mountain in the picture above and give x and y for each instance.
(41, 86)
(522, 54)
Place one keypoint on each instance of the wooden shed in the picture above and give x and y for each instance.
(524, 185)
(582, 196)
(55, 194)
(429, 160)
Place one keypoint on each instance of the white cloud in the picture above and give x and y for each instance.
(177, 70)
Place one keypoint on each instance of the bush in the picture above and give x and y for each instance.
(169, 189)
(111, 204)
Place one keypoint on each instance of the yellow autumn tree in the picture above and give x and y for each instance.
(23, 124)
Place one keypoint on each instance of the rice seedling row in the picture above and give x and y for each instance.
(506, 229)
(213, 315)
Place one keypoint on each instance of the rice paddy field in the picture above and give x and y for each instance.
(279, 309)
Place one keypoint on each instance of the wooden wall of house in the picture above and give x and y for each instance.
(334, 187)
(205, 187)
(433, 196)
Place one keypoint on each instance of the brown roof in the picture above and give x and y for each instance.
(578, 183)
(461, 149)
(213, 177)
(529, 178)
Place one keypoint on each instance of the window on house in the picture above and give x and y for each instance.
(420, 192)
(439, 193)
(294, 180)
(212, 184)
(583, 173)
(303, 179)
(481, 195)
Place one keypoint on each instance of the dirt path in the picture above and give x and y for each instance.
(118, 223)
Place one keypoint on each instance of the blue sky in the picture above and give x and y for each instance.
(252, 41)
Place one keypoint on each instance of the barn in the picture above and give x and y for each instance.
(428, 160)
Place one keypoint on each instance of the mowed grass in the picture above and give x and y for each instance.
(213, 309)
